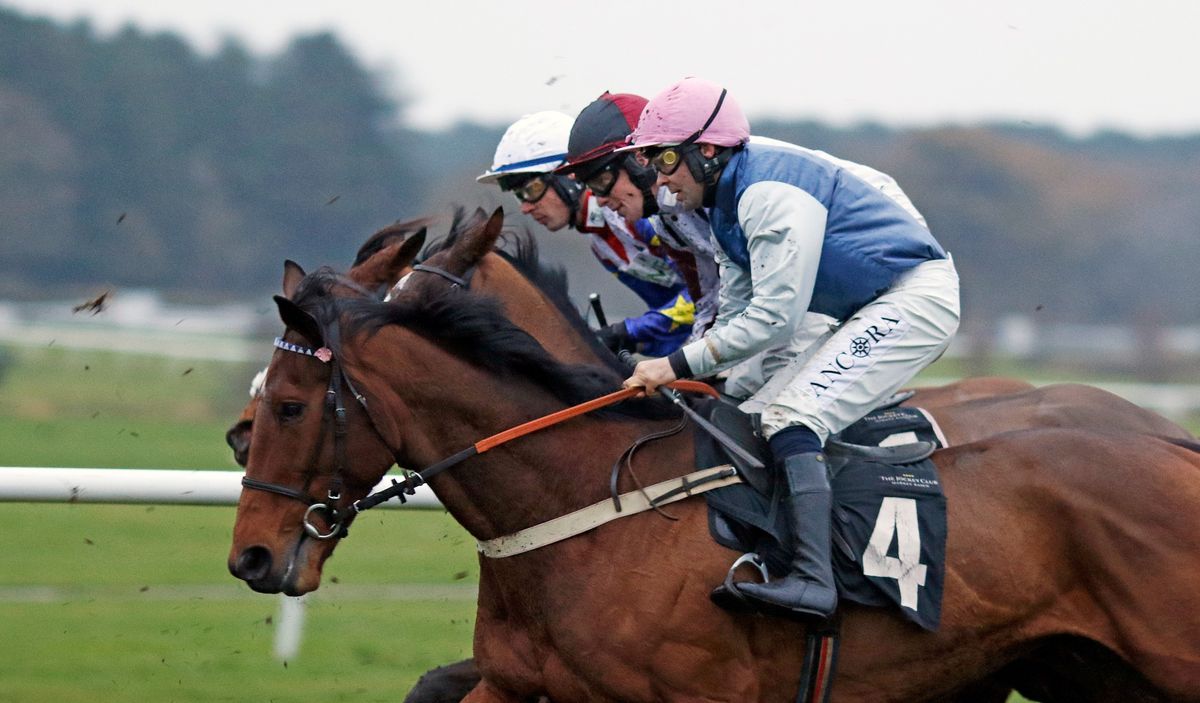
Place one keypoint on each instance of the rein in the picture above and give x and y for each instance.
(414, 479)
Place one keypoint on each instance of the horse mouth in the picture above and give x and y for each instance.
(255, 566)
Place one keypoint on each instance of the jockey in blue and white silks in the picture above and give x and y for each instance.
(829, 277)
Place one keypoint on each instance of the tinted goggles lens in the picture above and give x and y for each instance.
(665, 160)
(532, 190)
(602, 182)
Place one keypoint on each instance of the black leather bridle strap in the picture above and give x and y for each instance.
(333, 401)
(409, 485)
(456, 280)
(277, 489)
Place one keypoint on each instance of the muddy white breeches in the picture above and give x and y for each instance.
(829, 375)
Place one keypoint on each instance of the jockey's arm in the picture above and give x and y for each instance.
(785, 231)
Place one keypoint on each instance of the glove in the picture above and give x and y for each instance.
(615, 337)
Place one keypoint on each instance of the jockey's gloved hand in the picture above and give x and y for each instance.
(615, 337)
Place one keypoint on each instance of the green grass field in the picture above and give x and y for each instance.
(117, 603)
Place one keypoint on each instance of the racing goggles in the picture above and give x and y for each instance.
(602, 182)
(531, 190)
(664, 159)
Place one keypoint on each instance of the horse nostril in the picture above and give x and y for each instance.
(238, 439)
(253, 564)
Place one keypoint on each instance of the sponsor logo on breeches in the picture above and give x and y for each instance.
(857, 352)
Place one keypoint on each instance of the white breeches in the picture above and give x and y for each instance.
(828, 375)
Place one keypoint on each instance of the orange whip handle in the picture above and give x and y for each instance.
(562, 415)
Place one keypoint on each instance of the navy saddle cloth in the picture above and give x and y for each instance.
(889, 512)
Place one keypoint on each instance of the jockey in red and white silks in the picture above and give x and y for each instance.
(524, 162)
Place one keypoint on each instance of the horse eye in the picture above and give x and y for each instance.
(290, 411)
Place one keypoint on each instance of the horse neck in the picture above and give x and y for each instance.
(530, 479)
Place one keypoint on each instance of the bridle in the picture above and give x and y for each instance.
(336, 408)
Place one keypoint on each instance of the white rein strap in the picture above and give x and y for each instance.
(597, 514)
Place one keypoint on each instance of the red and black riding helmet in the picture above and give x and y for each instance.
(599, 130)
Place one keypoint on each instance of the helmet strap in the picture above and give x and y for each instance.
(569, 191)
(644, 178)
(708, 171)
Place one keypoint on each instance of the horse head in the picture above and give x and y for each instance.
(382, 260)
(532, 296)
(299, 457)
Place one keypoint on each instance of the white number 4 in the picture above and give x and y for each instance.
(897, 518)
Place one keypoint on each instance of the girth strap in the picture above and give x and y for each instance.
(820, 662)
(597, 514)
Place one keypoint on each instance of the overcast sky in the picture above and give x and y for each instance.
(1079, 65)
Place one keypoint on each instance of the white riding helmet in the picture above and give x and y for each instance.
(535, 143)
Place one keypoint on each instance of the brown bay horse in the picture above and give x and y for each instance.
(981, 412)
(1064, 545)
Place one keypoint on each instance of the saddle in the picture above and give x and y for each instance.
(889, 512)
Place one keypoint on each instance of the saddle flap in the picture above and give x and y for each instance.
(742, 428)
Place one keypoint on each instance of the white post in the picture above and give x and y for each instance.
(290, 628)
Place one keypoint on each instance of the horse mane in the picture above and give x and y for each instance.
(521, 251)
(476, 329)
(519, 248)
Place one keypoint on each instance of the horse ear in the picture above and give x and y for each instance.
(408, 252)
(385, 267)
(292, 275)
(475, 244)
(297, 319)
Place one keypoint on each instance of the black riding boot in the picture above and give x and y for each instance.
(809, 588)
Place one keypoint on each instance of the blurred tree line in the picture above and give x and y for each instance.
(136, 161)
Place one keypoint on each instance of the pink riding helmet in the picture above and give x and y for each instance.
(677, 113)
